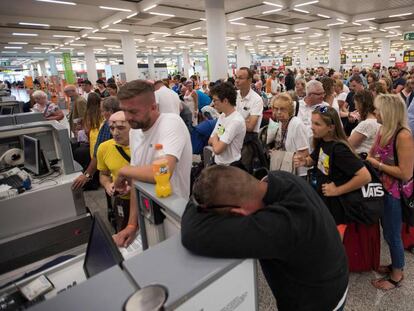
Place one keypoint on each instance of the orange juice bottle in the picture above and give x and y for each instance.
(161, 173)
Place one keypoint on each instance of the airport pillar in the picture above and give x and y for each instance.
(43, 71)
(91, 64)
(186, 64)
(243, 56)
(179, 64)
(130, 57)
(385, 52)
(216, 39)
(151, 67)
(52, 65)
(334, 48)
(303, 57)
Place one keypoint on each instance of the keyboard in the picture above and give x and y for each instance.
(133, 249)
(13, 181)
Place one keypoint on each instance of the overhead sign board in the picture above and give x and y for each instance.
(409, 36)
(408, 56)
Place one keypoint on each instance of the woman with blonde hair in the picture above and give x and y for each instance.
(50, 111)
(391, 113)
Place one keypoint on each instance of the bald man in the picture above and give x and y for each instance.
(112, 155)
(77, 105)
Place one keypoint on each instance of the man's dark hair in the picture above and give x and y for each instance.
(87, 82)
(183, 79)
(231, 80)
(177, 77)
(112, 86)
(223, 91)
(135, 88)
(249, 72)
(100, 81)
(272, 70)
(111, 104)
(356, 78)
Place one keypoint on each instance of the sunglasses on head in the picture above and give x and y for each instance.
(204, 207)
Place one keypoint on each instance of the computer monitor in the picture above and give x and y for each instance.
(101, 253)
(6, 110)
(34, 158)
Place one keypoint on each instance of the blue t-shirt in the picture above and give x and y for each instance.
(203, 99)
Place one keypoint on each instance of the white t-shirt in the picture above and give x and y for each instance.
(305, 114)
(250, 105)
(167, 100)
(275, 86)
(85, 95)
(369, 129)
(231, 131)
(170, 131)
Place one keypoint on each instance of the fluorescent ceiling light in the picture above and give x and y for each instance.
(97, 38)
(235, 19)
(80, 27)
(78, 44)
(178, 32)
(296, 38)
(13, 47)
(118, 30)
(274, 4)
(25, 34)
(392, 27)
(306, 3)
(63, 36)
(197, 28)
(149, 8)
(357, 24)
(342, 20)
(114, 9)
(365, 19)
(262, 27)
(299, 10)
(334, 24)
(49, 43)
(104, 26)
(117, 21)
(94, 31)
(112, 46)
(84, 35)
(261, 34)
(132, 15)
(365, 30)
(34, 24)
(160, 33)
(40, 48)
(9, 52)
(162, 14)
(186, 34)
(177, 41)
(58, 2)
(239, 24)
(17, 43)
(271, 11)
(402, 14)
(34, 52)
(202, 19)
(322, 15)
(301, 29)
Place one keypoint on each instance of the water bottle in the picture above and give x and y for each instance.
(161, 173)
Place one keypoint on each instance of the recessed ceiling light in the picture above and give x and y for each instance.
(84, 35)
(9, 52)
(13, 47)
(118, 30)
(262, 27)
(34, 24)
(34, 52)
(58, 2)
(274, 4)
(80, 27)
(306, 3)
(40, 48)
(392, 27)
(149, 8)
(301, 29)
(78, 44)
(239, 24)
(194, 29)
(322, 15)
(117, 21)
(17, 43)
(402, 14)
(235, 19)
(104, 26)
(132, 15)
(162, 14)
(49, 43)
(97, 38)
(299, 10)
(271, 11)
(364, 19)
(25, 34)
(114, 9)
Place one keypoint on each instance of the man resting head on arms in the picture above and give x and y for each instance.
(282, 222)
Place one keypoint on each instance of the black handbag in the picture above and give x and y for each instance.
(407, 203)
(364, 205)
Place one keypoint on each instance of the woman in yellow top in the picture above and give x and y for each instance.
(92, 120)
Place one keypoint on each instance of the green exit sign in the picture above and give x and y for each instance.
(409, 36)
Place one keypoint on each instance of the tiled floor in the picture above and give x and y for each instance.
(362, 295)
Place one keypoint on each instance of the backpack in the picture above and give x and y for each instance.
(252, 155)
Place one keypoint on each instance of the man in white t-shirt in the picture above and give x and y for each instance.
(166, 99)
(150, 127)
(314, 97)
(249, 103)
(86, 88)
(228, 134)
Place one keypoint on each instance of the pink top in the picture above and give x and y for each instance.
(386, 155)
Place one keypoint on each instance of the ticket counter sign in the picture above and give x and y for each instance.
(287, 61)
(408, 56)
(408, 36)
(67, 65)
(343, 59)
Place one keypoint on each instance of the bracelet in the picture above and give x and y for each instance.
(131, 226)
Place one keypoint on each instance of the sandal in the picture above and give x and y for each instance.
(385, 270)
(378, 282)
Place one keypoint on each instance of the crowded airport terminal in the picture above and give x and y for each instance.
(216, 155)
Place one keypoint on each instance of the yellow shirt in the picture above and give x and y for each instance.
(93, 137)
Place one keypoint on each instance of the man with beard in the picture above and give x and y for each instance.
(150, 127)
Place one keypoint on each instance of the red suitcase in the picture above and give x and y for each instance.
(362, 245)
(407, 235)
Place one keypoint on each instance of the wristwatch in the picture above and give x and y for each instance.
(87, 175)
